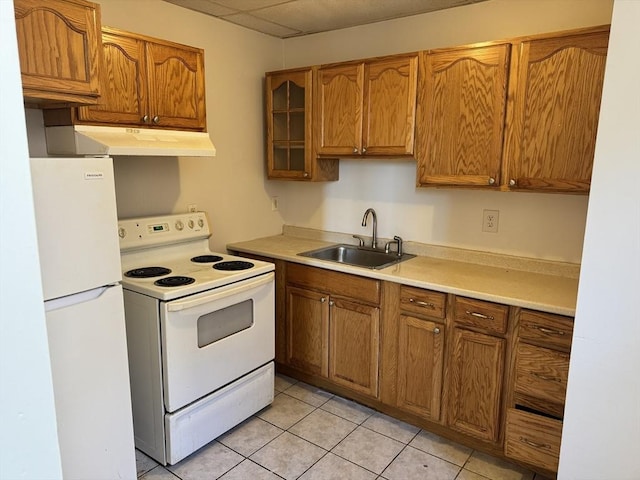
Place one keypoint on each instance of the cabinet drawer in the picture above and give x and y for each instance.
(423, 302)
(550, 330)
(485, 315)
(533, 439)
(335, 283)
(542, 374)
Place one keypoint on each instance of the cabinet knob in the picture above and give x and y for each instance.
(436, 330)
(322, 300)
(512, 183)
(156, 119)
(492, 180)
(364, 149)
(145, 119)
(331, 303)
(355, 150)
(305, 174)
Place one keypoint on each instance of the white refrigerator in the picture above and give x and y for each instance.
(77, 226)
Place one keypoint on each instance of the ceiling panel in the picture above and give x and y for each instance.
(288, 18)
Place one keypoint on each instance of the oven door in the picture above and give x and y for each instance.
(213, 338)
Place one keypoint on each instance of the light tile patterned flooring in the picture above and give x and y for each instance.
(311, 434)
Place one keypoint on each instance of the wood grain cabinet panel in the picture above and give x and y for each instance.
(367, 108)
(354, 345)
(533, 439)
(331, 334)
(149, 82)
(308, 330)
(462, 96)
(59, 50)
(420, 366)
(475, 384)
(557, 87)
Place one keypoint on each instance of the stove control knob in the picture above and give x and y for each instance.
(179, 225)
(200, 223)
(191, 224)
(122, 232)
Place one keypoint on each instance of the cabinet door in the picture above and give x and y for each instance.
(552, 129)
(124, 87)
(420, 362)
(308, 330)
(59, 49)
(176, 86)
(339, 109)
(354, 345)
(475, 384)
(460, 116)
(289, 134)
(390, 106)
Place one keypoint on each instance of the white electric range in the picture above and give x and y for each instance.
(200, 334)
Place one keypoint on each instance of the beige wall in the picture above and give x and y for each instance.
(549, 226)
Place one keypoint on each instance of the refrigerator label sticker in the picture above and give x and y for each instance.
(93, 175)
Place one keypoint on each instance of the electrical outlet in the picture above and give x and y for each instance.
(490, 221)
(274, 204)
(192, 208)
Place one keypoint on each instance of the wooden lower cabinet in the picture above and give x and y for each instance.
(533, 439)
(420, 366)
(476, 368)
(329, 335)
(307, 331)
(353, 345)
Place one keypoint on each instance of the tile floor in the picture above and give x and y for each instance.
(311, 434)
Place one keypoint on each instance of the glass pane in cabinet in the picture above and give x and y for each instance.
(280, 158)
(297, 158)
(280, 130)
(297, 126)
(296, 96)
(280, 97)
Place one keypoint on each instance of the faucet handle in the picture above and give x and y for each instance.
(360, 240)
(398, 241)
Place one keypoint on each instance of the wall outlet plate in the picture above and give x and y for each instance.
(490, 221)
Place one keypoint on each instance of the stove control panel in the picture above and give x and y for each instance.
(145, 232)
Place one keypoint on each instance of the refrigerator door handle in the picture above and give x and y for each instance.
(75, 299)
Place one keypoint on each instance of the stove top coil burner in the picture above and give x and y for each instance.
(233, 265)
(206, 258)
(147, 272)
(176, 281)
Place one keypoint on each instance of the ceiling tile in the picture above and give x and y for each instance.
(204, 6)
(248, 5)
(260, 25)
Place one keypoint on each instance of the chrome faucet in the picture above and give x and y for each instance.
(374, 240)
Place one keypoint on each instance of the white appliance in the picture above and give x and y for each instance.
(200, 333)
(132, 141)
(76, 222)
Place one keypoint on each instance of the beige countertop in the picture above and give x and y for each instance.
(540, 285)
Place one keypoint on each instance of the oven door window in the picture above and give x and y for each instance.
(225, 322)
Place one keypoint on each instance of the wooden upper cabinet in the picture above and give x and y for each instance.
(556, 87)
(290, 147)
(149, 82)
(124, 95)
(59, 49)
(339, 107)
(367, 108)
(460, 116)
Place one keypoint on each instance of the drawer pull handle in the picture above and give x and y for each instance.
(479, 315)
(546, 378)
(546, 446)
(549, 331)
(423, 304)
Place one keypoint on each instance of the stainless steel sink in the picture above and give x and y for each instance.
(357, 256)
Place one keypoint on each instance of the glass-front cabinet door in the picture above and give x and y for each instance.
(289, 127)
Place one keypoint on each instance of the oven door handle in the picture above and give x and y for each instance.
(243, 286)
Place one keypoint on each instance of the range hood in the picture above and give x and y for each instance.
(98, 140)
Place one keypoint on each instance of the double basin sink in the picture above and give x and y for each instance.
(357, 256)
